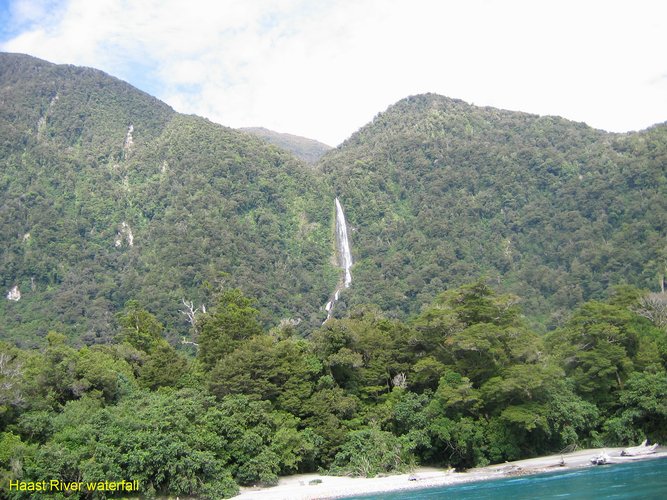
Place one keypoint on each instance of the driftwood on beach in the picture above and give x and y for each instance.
(642, 449)
(600, 459)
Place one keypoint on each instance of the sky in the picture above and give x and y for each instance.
(324, 68)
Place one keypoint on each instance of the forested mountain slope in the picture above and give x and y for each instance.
(308, 150)
(440, 192)
(109, 195)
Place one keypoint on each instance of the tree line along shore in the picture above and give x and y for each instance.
(463, 384)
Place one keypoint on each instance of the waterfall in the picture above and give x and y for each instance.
(344, 258)
(343, 244)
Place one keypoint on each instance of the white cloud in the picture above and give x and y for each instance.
(323, 69)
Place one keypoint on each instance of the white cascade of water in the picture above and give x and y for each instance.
(343, 244)
(344, 258)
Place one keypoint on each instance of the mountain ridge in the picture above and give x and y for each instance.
(308, 150)
(437, 192)
(496, 184)
(109, 195)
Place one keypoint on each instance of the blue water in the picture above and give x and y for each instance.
(637, 480)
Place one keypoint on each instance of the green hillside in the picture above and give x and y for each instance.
(109, 195)
(473, 231)
(439, 192)
(308, 150)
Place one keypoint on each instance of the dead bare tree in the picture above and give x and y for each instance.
(654, 307)
(185, 341)
(400, 380)
(190, 312)
(10, 377)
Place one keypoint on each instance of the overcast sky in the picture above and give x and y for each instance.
(322, 69)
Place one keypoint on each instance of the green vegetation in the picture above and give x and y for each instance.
(173, 271)
(441, 192)
(305, 149)
(109, 196)
(464, 383)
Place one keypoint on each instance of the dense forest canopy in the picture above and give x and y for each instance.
(439, 192)
(110, 196)
(466, 382)
(165, 280)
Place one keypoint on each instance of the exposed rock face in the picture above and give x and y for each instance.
(125, 234)
(14, 294)
(129, 141)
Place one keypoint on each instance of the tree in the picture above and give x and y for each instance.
(369, 452)
(232, 320)
(139, 328)
(11, 377)
(191, 312)
(330, 412)
(643, 412)
(164, 367)
(454, 311)
(99, 372)
(483, 350)
(654, 307)
(596, 348)
(364, 353)
(56, 374)
(281, 371)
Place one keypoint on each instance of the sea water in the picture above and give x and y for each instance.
(637, 480)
